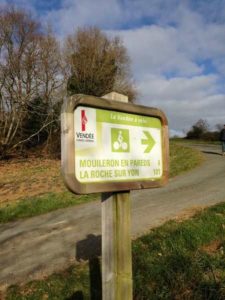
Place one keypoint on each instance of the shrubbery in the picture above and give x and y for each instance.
(200, 131)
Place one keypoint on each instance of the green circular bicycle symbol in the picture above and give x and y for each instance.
(120, 144)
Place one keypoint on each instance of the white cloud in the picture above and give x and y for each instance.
(176, 133)
(156, 50)
(75, 14)
(185, 100)
(177, 50)
(181, 68)
(179, 87)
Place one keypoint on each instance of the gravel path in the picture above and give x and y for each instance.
(38, 246)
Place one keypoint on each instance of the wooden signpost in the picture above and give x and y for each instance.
(112, 147)
(116, 239)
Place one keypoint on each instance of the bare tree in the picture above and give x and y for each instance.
(17, 74)
(29, 69)
(33, 76)
(219, 127)
(98, 64)
(51, 76)
(198, 130)
(51, 70)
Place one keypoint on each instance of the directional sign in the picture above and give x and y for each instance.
(149, 141)
(120, 148)
(116, 146)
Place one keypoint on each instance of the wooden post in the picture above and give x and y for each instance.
(116, 239)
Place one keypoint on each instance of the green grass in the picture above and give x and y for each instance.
(73, 283)
(194, 142)
(179, 260)
(34, 206)
(181, 159)
(171, 263)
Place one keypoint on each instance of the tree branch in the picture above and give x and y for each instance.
(34, 134)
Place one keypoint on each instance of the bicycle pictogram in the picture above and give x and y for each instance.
(120, 140)
(120, 144)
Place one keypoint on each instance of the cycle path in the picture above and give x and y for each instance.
(35, 247)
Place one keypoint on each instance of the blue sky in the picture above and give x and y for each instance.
(177, 49)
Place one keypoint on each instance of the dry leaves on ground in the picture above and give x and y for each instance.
(29, 177)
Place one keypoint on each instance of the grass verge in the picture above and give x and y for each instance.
(179, 260)
(183, 260)
(195, 142)
(181, 159)
(38, 205)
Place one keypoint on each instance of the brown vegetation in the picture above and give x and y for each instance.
(35, 75)
(30, 177)
(200, 131)
(99, 65)
(29, 80)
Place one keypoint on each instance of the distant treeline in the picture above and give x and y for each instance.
(200, 131)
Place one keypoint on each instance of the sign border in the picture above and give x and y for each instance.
(68, 145)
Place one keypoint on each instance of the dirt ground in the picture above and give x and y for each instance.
(27, 177)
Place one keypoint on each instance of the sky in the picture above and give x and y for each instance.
(177, 49)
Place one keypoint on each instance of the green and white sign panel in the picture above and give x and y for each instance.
(113, 146)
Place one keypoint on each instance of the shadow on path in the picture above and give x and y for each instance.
(211, 152)
(76, 296)
(90, 249)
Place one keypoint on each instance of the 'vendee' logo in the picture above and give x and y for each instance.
(84, 120)
(81, 136)
(84, 136)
